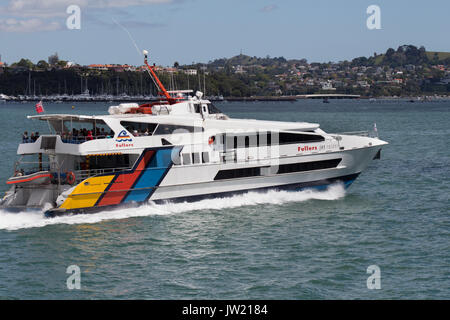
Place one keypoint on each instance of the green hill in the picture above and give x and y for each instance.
(441, 55)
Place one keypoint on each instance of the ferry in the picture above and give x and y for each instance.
(179, 148)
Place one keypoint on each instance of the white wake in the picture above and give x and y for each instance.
(33, 219)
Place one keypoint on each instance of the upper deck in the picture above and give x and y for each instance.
(193, 119)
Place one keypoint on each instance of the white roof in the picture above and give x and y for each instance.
(185, 116)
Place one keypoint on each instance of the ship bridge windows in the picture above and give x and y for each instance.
(207, 108)
(212, 109)
(139, 128)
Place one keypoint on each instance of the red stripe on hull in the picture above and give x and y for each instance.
(124, 182)
(29, 179)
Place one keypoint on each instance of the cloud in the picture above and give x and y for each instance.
(24, 15)
(269, 8)
(57, 7)
(28, 25)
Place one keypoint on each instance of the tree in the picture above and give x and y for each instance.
(176, 64)
(390, 52)
(24, 63)
(42, 64)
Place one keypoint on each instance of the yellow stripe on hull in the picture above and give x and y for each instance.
(87, 193)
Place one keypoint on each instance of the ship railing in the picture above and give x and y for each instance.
(60, 176)
(65, 138)
(81, 175)
(30, 167)
(353, 133)
(81, 139)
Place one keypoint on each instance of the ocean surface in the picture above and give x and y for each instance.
(277, 245)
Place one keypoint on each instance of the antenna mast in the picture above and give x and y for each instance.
(158, 83)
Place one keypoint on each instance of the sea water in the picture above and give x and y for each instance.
(276, 245)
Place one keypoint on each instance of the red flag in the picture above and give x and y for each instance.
(39, 107)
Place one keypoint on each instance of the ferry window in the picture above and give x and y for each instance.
(213, 109)
(80, 130)
(169, 129)
(287, 138)
(262, 139)
(195, 158)
(251, 141)
(164, 142)
(205, 157)
(139, 128)
(108, 161)
(308, 166)
(234, 142)
(48, 143)
(228, 141)
(197, 108)
(238, 173)
(186, 158)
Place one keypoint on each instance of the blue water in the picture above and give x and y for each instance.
(279, 245)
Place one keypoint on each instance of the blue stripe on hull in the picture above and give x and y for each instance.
(151, 177)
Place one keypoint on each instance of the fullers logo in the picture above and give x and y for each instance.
(307, 148)
(124, 137)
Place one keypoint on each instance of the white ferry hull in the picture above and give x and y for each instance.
(202, 184)
(353, 163)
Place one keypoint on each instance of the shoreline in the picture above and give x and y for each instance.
(56, 99)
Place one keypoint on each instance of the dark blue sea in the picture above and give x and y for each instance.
(277, 245)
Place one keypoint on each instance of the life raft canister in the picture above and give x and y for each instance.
(70, 177)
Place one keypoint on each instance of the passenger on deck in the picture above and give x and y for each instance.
(25, 138)
(89, 135)
(32, 138)
(36, 136)
(74, 134)
(83, 134)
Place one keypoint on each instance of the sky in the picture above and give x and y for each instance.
(189, 31)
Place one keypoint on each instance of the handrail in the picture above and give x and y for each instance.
(74, 140)
(353, 133)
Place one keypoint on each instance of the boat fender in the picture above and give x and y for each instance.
(70, 177)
